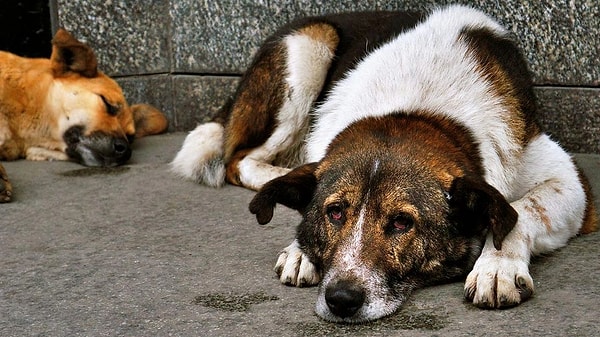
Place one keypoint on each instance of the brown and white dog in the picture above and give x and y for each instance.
(64, 108)
(420, 160)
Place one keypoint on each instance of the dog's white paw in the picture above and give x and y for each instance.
(498, 281)
(294, 268)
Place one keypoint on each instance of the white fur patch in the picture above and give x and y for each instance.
(255, 173)
(201, 156)
(496, 274)
(71, 105)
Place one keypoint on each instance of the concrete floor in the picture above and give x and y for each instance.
(135, 251)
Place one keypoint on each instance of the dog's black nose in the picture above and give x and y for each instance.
(344, 298)
(121, 151)
(120, 146)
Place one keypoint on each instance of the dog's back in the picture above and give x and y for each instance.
(459, 64)
(406, 64)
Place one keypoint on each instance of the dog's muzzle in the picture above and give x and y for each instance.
(348, 298)
(344, 298)
(97, 148)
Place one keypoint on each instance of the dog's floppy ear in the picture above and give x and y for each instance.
(70, 55)
(148, 120)
(476, 206)
(294, 190)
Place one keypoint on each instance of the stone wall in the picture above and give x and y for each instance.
(186, 56)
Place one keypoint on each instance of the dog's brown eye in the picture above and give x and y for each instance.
(401, 223)
(335, 213)
(111, 109)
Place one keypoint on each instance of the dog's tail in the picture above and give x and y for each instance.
(201, 156)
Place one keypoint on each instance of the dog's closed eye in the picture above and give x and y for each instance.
(111, 109)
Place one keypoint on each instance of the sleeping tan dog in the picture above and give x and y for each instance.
(63, 108)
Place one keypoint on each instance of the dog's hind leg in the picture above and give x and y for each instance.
(553, 205)
(269, 115)
(306, 55)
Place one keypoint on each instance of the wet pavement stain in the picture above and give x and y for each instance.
(233, 302)
(399, 321)
(94, 171)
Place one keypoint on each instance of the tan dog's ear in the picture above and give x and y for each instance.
(148, 120)
(70, 55)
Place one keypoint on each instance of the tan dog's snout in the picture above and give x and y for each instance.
(96, 149)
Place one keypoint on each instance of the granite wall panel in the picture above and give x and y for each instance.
(560, 38)
(571, 116)
(130, 37)
(156, 90)
(186, 56)
(199, 98)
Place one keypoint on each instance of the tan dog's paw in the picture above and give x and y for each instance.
(42, 154)
(5, 186)
(498, 282)
(295, 269)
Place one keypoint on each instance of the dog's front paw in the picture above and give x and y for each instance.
(295, 269)
(5, 186)
(498, 282)
(42, 154)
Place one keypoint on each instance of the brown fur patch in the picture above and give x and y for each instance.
(501, 63)
(148, 120)
(257, 101)
(232, 171)
(5, 186)
(444, 143)
(70, 55)
(590, 219)
(538, 210)
(322, 32)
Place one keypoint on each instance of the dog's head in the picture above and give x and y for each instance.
(382, 215)
(93, 118)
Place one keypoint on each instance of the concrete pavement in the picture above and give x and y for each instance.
(135, 251)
